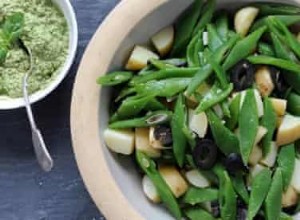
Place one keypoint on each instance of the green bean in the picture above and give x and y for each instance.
(214, 39)
(193, 48)
(190, 136)
(161, 65)
(286, 19)
(179, 62)
(178, 120)
(293, 104)
(240, 187)
(149, 167)
(276, 9)
(281, 50)
(114, 78)
(243, 48)
(197, 214)
(185, 27)
(269, 121)
(280, 63)
(155, 105)
(234, 108)
(248, 124)
(222, 26)
(284, 216)
(213, 97)
(259, 190)
(225, 109)
(125, 92)
(207, 14)
(154, 118)
(286, 161)
(265, 49)
(163, 88)
(273, 199)
(226, 141)
(202, 59)
(196, 196)
(164, 74)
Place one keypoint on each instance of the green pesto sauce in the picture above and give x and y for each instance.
(46, 33)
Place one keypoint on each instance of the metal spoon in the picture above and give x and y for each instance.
(41, 152)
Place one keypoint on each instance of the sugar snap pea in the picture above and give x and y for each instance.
(225, 109)
(243, 48)
(277, 9)
(149, 167)
(240, 187)
(274, 196)
(178, 120)
(265, 49)
(259, 190)
(286, 161)
(248, 124)
(197, 213)
(194, 47)
(284, 216)
(215, 40)
(161, 65)
(222, 25)
(234, 109)
(190, 136)
(293, 105)
(179, 62)
(114, 78)
(196, 196)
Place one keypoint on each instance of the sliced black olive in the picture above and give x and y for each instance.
(234, 164)
(278, 80)
(290, 210)
(241, 214)
(163, 134)
(205, 154)
(215, 209)
(242, 75)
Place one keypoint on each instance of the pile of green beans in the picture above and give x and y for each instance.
(208, 52)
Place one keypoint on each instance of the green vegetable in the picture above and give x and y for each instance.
(284, 216)
(215, 40)
(222, 24)
(114, 78)
(243, 48)
(226, 141)
(259, 190)
(277, 9)
(248, 124)
(240, 187)
(269, 121)
(179, 141)
(286, 161)
(196, 196)
(265, 49)
(273, 200)
(225, 109)
(234, 108)
(194, 47)
(149, 167)
(197, 214)
(281, 50)
(293, 104)
(185, 27)
(161, 65)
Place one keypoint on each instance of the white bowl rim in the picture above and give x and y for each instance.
(7, 103)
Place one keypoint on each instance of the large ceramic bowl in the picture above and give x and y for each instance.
(111, 180)
(68, 11)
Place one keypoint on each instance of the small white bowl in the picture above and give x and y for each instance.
(68, 11)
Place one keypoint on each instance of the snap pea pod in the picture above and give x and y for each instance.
(248, 124)
(189, 135)
(281, 50)
(286, 161)
(197, 213)
(185, 27)
(240, 187)
(155, 105)
(179, 62)
(179, 119)
(284, 216)
(213, 97)
(161, 65)
(225, 109)
(273, 199)
(164, 74)
(163, 88)
(269, 121)
(226, 141)
(243, 48)
(222, 26)
(265, 49)
(149, 167)
(207, 15)
(154, 118)
(205, 71)
(280, 63)
(234, 109)
(286, 19)
(125, 92)
(276, 9)
(293, 104)
(214, 39)
(193, 49)
(196, 196)
(114, 78)
(281, 30)
(259, 190)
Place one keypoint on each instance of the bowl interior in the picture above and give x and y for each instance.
(67, 9)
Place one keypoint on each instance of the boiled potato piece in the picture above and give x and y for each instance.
(289, 198)
(289, 130)
(259, 102)
(139, 58)
(142, 143)
(264, 81)
(244, 19)
(261, 132)
(175, 181)
(296, 177)
(198, 123)
(253, 172)
(195, 178)
(279, 106)
(163, 40)
(150, 190)
(255, 156)
(270, 159)
(203, 89)
(119, 141)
